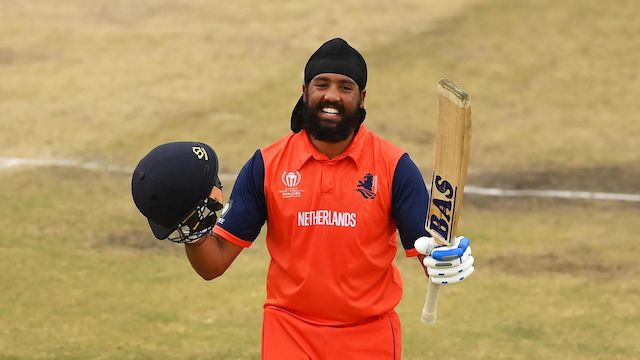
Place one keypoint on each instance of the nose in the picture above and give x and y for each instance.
(332, 94)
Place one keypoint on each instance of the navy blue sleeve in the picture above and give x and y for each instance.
(409, 202)
(246, 211)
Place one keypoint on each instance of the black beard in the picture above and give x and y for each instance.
(331, 134)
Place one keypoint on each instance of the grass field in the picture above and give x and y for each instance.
(554, 87)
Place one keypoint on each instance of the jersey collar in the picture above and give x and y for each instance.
(353, 151)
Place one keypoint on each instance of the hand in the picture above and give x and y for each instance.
(446, 264)
(217, 195)
(201, 220)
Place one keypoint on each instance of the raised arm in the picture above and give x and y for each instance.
(212, 255)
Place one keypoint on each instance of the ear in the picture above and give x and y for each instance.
(363, 94)
(305, 92)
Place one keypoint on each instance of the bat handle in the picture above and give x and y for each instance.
(430, 309)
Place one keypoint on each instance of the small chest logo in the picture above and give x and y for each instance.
(368, 186)
(291, 180)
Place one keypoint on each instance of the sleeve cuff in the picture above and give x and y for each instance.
(230, 237)
(411, 252)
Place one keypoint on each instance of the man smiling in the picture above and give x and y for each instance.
(333, 195)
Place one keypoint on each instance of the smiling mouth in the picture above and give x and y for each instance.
(330, 110)
(330, 113)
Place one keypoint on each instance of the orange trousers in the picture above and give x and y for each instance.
(287, 337)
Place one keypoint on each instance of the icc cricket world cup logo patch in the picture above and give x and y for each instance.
(291, 180)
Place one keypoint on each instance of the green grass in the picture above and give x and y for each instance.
(553, 87)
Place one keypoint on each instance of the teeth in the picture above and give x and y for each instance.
(330, 110)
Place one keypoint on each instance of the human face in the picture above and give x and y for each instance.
(332, 104)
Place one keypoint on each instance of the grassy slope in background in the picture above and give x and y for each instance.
(552, 89)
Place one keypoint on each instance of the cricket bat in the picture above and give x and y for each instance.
(453, 136)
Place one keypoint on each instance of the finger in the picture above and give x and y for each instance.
(216, 194)
(446, 272)
(429, 261)
(447, 253)
(453, 279)
(424, 245)
(463, 242)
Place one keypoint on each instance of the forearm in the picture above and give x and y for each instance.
(211, 256)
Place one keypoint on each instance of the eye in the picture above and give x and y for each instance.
(347, 88)
(321, 85)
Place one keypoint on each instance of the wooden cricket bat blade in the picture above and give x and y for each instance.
(451, 161)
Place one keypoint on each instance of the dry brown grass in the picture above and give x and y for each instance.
(553, 87)
(109, 80)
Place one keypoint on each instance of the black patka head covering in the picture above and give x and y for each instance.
(338, 57)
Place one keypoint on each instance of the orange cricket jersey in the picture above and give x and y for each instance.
(331, 224)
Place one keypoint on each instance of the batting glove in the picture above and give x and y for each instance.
(446, 264)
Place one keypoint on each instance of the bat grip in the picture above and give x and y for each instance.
(430, 309)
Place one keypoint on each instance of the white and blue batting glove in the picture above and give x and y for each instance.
(446, 264)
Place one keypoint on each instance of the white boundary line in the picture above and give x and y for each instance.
(561, 194)
(8, 163)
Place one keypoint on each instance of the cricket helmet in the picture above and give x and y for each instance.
(171, 187)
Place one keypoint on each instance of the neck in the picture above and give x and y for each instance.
(332, 149)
